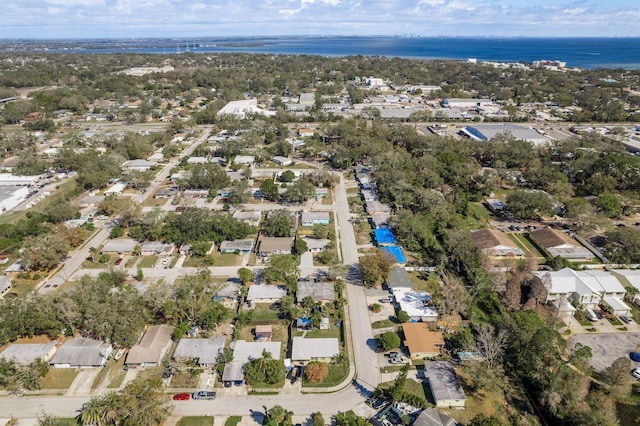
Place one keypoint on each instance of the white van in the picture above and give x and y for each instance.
(591, 316)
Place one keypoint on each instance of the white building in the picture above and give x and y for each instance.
(11, 196)
(244, 108)
(415, 304)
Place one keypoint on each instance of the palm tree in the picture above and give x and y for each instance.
(91, 413)
(111, 407)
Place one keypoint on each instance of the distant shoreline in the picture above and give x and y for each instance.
(580, 52)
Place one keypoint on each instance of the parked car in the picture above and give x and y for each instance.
(636, 373)
(635, 356)
(387, 299)
(625, 319)
(181, 397)
(119, 261)
(204, 395)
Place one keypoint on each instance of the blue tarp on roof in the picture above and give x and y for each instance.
(396, 252)
(384, 237)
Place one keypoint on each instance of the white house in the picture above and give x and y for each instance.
(415, 304)
(320, 349)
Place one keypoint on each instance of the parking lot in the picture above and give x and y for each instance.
(606, 348)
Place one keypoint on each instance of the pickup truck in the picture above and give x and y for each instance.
(203, 395)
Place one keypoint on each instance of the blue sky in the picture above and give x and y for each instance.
(217, 18)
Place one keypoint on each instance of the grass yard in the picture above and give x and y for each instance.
(411, 386)
(195, 421)
(66, 190)
(59, 378)
(628, 414)
(148, 261)
(88, 264)
(262, 313)
(23, 286)
(337, 374)
(328, 200)
(363, 232)
(184, 379)
(333, 331)
(233, 421)
(356, 205)
(478, 211)
(582, 320)
(130, 263)
(227, 259)
(526, 244)
(385, 323)
(113, 372)
(353, 191)
(425, 282)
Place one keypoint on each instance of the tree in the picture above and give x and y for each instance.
(316, 371)
(279, 223)
(398, 384)
(387, 341)
(300, 191)
(281, 268)
(300, 246)
(287, 176)
(193, 295)
(269, 190)
(43, 252)
(317, 419)
(200, 248)
(403, 316)
(277, 416)
(617, 374)
(245, 275)
(375, 268)
(116, 232)
(529, 204)
(610, 204)
(622, 245)
(240, 192)
(492, 343)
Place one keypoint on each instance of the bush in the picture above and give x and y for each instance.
(389, 340)
(375, 308)
(315, 371)
(403, 316)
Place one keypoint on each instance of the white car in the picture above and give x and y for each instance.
(636, 373)
(165, 260)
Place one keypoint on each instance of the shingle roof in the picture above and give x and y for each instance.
(307, 349)
(419, 339)
(323, 291)
(152, 346)
(82, 351)
(26, 353)
(206, 351)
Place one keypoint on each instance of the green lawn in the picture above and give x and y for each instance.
(352, 191)
(337, 374)
(421, 390)
(233, 421)
(333, 331)
(88, 264)
(59, 378)
(525, 244)
(356, 205)
(383, 323)
(148, 261)
(425, 282)
(227, 259)
(262, 313)
(195, 421)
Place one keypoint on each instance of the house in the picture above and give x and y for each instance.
(629, 278)
(319, 291)
(5, 285)
(264, 333)
(137, 165)
(315, 245)
(395, 253)
(196, 194)
(431, 417)
(82, 352)
(245, 160)
(321, 193)
(242, 246)
(244, 352)
(445, 386)
(274, 245)
(185, 249)
(26, 353)
(282, 161)
(320, 349)
(122, 245)
(375, 207)
(398, 278)
(156, 248)
(16, 266)
(495, 205)
(252, 217)
(415, 304)
(384, 237)
(151, 348)
(265, 293)
(228, 294)
(584, 288)
(369, 195)
(496, 244)
(420, 341)
(557, 243)
(205, 351)
(306, 132)
(314, 218)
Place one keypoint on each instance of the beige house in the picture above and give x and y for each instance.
(151, 348)
(496, 244)
(420, 341)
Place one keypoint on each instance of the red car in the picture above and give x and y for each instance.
(119, 261)
(181, 397)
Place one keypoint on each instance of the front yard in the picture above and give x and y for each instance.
(59, 378)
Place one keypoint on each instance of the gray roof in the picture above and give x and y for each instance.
(160, 248)
(380, 219)
(257, 292)
(236, 245)
(323, 291)
(431, 417)
(26, 353)
(315, 243)
(206, 351)
(244, 351)
(5, 283)
(250, 216)
(443, 381)
(233, 372)
(308, 349)
(307, 217)
(377, 207)
(230, 289)
(82, 352)
(152, 346)
(123, 245)
(399, 278)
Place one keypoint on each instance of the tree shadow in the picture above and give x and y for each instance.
(257, 416)
(362, 389)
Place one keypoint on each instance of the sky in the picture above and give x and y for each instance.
(229, 18)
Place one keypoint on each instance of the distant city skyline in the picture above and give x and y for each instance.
(44, 19)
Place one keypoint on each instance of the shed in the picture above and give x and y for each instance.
(304, 323)
(263, 333)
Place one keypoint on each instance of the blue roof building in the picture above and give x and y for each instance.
(384, 237)
(396, 253)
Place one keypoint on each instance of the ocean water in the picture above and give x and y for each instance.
(576, 52)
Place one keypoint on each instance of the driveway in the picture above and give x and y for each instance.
(606, 348)
(82, 383)
(306, 260)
